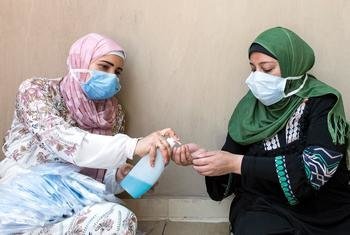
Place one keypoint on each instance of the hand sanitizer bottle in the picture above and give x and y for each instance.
(143, 176)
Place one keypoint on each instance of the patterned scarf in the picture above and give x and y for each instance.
(97, 117)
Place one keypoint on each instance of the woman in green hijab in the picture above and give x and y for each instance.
(284, 158)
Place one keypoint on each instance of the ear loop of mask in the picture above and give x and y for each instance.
(73, 71)
(297, 90)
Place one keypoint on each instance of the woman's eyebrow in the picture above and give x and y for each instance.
(264, 62)
(111, 64)
(267, 62)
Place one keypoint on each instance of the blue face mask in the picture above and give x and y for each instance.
(100, 86)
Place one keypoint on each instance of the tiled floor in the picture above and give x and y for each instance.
(164, 227)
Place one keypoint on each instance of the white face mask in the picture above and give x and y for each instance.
(269, 89)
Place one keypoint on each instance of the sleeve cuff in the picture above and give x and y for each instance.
(261, 167)
(131, 147)
(100, 151)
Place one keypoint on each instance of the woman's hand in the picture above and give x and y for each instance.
(122, 171)
(182, 154)
(215, 163)
(150, 143)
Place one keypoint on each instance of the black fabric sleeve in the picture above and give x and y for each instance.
(318, 141)
(261, 167)
(219, 187)
(316, 136)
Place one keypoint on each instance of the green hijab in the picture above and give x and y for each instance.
(252, 121)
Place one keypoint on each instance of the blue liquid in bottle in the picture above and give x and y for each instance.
(135, 187)
(143, 176)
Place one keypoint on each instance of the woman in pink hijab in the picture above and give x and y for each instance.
(65, 151)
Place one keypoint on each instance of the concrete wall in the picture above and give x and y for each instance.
(187, 59)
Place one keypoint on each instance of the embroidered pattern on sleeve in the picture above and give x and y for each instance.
(320, 164)
(272, 143)
(283, 178)
(293, 125)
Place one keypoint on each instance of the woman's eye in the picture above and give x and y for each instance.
(267, 70)
(103, 67)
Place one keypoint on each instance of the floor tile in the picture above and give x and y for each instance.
(194, 228)
(151, 227)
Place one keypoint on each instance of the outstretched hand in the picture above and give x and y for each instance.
(183, 155)
(215, 163)
(154, 141)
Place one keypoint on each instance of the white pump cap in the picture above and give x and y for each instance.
(172, 142)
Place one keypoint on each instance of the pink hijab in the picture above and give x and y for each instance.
(97, 117)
